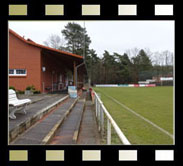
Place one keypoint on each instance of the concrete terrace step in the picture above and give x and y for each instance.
(43, 131)
(34, 98)
(69, 131)
(35, 112)
(89, 134)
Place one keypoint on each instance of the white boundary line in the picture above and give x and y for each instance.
(140, 116)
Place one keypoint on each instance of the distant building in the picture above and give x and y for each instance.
(46, 68)
(146, 82)
(162, 80)
(156, 78)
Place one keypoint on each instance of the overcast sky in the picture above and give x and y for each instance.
(113, 36)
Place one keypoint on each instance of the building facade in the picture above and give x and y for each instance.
(47, 69)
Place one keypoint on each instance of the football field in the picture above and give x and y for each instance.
(144, 114)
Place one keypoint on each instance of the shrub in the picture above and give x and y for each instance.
(37, 92)
(28, 88)
(12, 87)
(32, 88)
(20, 92)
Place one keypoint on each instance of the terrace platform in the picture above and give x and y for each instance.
(56, 119)
(41, 104)
(89, 134)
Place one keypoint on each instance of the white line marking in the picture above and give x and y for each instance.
(138, 115)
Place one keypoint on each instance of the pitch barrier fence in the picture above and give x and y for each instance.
(125, 85)
(100, 112)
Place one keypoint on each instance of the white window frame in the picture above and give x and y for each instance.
(15, 72)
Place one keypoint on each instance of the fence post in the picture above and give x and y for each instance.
(96, 105)
(101, 112)
(108, 132)
(99, 120)
(102, 119)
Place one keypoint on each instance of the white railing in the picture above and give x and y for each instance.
(100, 111)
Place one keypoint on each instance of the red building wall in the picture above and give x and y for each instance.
(24, 56)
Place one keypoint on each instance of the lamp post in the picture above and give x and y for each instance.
(43, 69)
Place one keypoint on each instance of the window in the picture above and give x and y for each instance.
(20, 71)
(17, 72)
(11, 71)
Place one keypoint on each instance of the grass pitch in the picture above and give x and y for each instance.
(153, 103)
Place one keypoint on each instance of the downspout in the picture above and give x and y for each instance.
(76, 78)
(76, 73)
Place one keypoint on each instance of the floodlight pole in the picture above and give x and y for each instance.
(76, 68)
(84, 43)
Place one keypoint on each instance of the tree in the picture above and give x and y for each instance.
(76, 38)
(132, 52)
(93, 66)
(141, 64)
(109, 67)
(124, 68)
(54, 41)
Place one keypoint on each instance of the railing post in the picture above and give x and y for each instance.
(108, 132)
(96, 105)
(102, 119)
(99, 120)
(100, 111)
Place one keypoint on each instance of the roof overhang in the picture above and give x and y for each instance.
(66, 57)
(62, 53)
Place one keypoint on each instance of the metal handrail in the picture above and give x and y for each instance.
(110, 120)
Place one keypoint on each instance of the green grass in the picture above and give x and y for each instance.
(153, 103)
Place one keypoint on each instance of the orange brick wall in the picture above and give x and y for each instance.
(24, 56)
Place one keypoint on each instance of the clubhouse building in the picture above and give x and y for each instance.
(47, 69)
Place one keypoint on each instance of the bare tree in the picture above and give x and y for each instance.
(133, 52)
(156, 58)
(167, 58)
(149, 53)
(164, 58)
(172, 59)
(54, 41)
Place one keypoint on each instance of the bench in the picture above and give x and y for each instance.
(18, 105)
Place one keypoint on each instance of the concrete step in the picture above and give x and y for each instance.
(69, 130)
(42, 131)
(89, 134)
(34, 113)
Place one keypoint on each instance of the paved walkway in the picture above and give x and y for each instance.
(67, 134)
(33, 108)
(34, 97)
(36, 134)
(73, 122)
(80, 126)
(89, 134)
